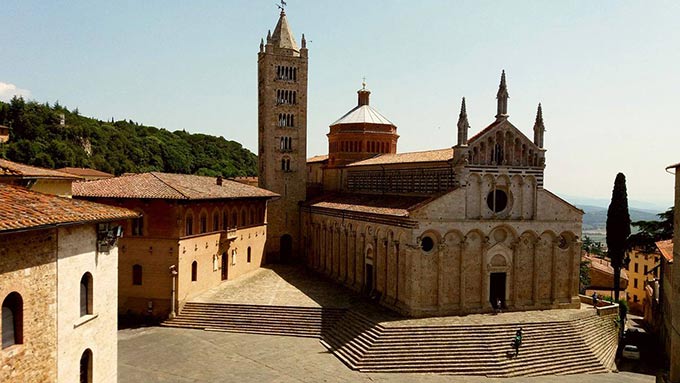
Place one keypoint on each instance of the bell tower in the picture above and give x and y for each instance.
(282, 136)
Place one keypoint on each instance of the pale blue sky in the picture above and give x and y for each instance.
(607, 72)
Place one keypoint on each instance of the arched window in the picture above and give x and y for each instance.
(194, 271)
(216, 221)
(248, 254)
(86, 366)
(243, 218)
(225, 220)
(86, 294)
(234, 219)
(252, 216)
(203, 223)
(137, 275)
(12, 320)
(189, 224)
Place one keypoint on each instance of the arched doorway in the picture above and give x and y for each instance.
(286, 248)
(225, 271)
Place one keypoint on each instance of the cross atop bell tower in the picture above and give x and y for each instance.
(282, 134)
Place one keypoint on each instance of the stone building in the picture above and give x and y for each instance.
(449, 231)
(282, 134)
(641, 271)
(671, 306)
(206, 229)
(37, 179)
(58, 287)
(4, 134)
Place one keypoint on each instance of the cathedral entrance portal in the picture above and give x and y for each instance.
(286, 248)
(497, 289)
(225, 274)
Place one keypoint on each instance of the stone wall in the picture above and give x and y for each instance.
(77, 249)
(28, 267)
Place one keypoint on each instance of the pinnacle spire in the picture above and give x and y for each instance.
(539, 127)
(463, 125)
(502, 96)
(261, 45)
(304, 42)
(283, 35)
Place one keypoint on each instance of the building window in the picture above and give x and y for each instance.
(225, 220)
(194, 271)
(137, 275)
(234, 219)
(646, 269)
(86, 367)
(636, 267)
(12, 320)
(635, 284)
(497, 200)
(138, 226)
(635, 298)
(204, 223)
(243, 218)
(427, 244)
(216, 221)
(248, 259)
(86, 294)
(189, 225)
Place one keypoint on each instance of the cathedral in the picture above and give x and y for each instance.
(459, 230)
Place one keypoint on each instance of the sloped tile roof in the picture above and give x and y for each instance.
(167, 186)
(319, 158)
(666, 248)
(14, 169)
(366, 203)
(21, 208)
(85, 172)
(409, 157)
(363, 114)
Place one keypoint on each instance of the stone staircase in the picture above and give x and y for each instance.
(582, 345)
(308, 322)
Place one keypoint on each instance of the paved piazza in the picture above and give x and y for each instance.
(163, 355)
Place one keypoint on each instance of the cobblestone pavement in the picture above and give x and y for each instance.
(164, 355)
(279, 285)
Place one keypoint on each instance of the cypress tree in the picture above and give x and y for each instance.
(618, 229)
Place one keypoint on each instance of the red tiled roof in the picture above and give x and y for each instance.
(14, 169)
(666, 248)
(85, 172)
(167, 186)
(366, 203)
(21, 208)
(409, 157)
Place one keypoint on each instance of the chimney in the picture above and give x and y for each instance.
(219, 180)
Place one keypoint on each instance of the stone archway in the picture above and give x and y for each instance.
(369, 272)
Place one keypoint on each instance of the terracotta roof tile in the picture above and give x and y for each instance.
(167, 186)
(319, 158)
(85, 172)
(14, 169)
(367, 203)
(666, 248)
(409, 157)
(21, 208)
(481, 132)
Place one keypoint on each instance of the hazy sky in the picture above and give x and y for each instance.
(607, 72)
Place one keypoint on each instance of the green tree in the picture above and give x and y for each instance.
(651, 232)
(618, 229)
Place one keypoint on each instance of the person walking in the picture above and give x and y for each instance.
(518, 341)
(595, 299)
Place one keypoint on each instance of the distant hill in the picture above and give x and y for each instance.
(39, 136)
(596, 217)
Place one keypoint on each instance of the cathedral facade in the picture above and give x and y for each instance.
(451, 231)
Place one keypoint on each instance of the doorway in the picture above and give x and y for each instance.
(285, 248)
(368, 286)
(225, 271)
(497, 289)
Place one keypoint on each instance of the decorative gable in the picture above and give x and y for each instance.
(502, 144)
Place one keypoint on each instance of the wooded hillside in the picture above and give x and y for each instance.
(37, 137)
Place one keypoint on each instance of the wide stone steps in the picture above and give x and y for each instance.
(256, 319)
(549, 348)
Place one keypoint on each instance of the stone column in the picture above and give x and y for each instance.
(534, 272)
(515, 271)
(553, 271)
(484, 283)
(441, 251)
(461, 283)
